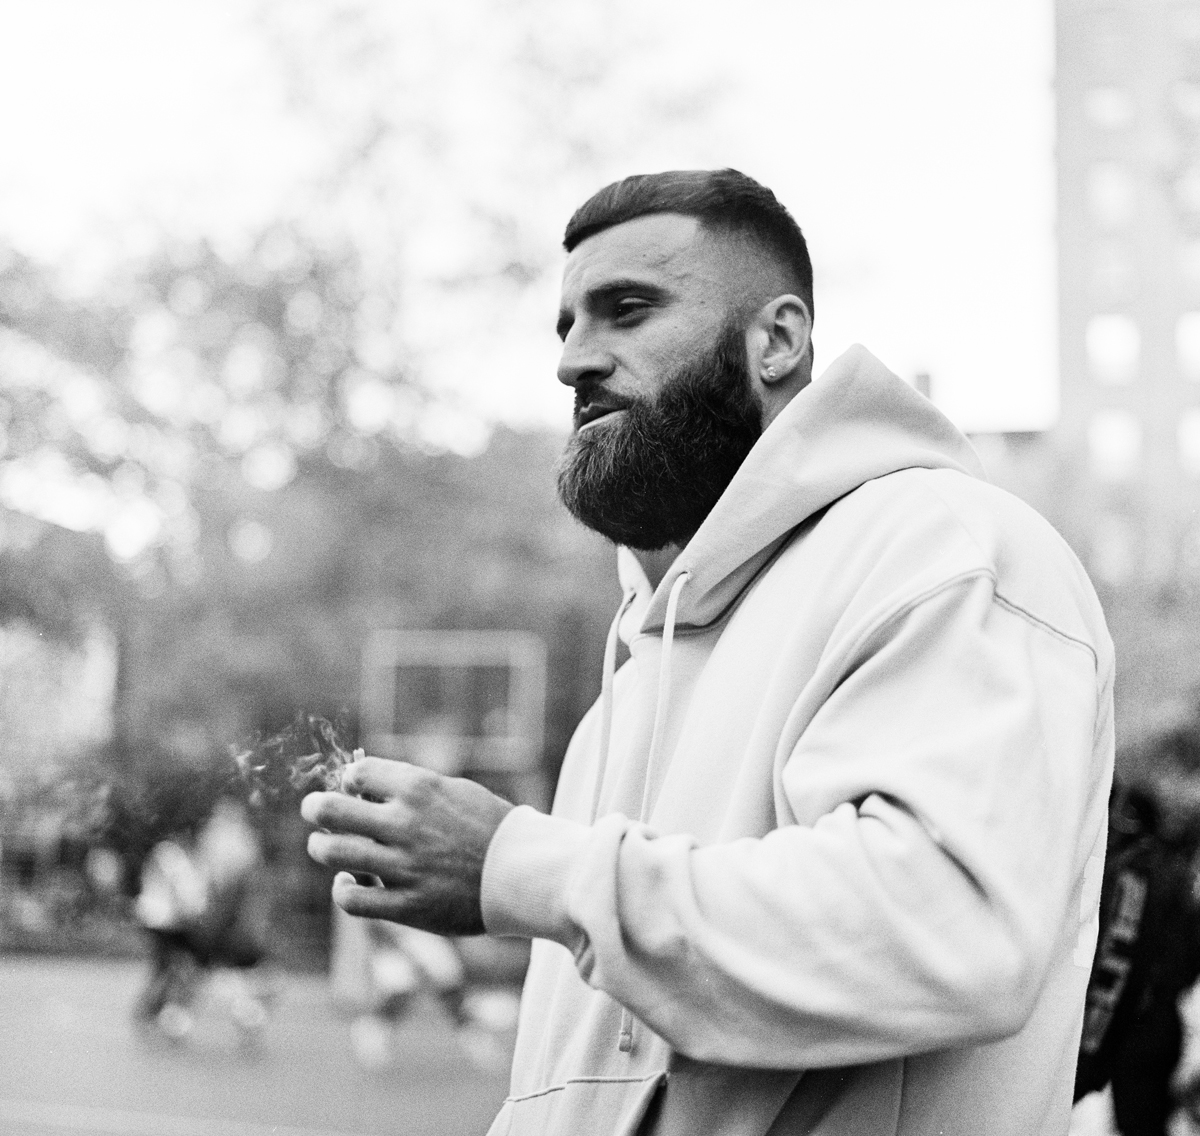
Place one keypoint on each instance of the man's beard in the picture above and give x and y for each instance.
(649, 477)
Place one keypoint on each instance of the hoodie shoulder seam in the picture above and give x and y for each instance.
(906, 607)
(998, 596)
(1071, 640)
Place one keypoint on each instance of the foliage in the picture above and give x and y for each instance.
(53, 579)
(240, 459)
(254, 453)
(264, 432)
(459, 139)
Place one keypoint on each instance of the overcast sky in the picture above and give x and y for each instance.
(913, 142)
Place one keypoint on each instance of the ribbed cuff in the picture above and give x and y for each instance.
(525, 876)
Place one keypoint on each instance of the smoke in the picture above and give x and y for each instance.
(271, 765)
(267, 767)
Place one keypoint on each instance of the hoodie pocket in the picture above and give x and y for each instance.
(721, 1100)
(588, 1106)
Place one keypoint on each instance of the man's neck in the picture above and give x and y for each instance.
(655, 564)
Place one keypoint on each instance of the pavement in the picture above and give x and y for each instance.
(73, 1062)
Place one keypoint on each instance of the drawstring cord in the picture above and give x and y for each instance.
(606, 697)
(664, 692)
(625, 1037)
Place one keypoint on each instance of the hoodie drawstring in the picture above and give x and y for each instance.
(664, 692)
(606, 697)
(625, 1037)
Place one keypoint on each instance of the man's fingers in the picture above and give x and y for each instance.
(381, 779)
(358, 854)
(341, 813)
(355, 899)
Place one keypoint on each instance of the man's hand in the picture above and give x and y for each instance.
(424, 835)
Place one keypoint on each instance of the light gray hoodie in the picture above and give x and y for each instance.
(825, 857)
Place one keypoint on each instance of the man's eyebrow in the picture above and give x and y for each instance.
(613, 288)
(608, 291)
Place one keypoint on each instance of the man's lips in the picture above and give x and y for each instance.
(593, 415)
(594, 411)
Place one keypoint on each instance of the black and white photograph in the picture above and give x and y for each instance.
(599, 568)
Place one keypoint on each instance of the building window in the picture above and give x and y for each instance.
(1113, 344)
(1188, 439)
(1114, 445)
(1113, 550)
(1187, 345)
(1109, 195)
(1109, 108)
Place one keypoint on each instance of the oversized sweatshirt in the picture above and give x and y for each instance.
(825, 857)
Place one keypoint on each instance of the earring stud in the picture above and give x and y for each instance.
(770, 372)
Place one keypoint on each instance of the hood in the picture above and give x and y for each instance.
(854, 423)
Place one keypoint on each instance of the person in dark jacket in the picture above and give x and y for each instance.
(1148, 952)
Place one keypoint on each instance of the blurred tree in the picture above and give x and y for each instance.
(114, 406)
(54, 580)
(258, 467)
(243, 459)
(264, 434)
(459, 139)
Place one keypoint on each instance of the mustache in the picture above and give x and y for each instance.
(652, 478)
(591, 399)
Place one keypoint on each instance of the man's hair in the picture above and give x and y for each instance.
(724, 201)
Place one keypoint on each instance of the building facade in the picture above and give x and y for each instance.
(1122, 466)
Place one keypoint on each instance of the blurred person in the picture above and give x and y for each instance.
(171, 900)
(381, 970)
(205, 908)
(825, 856)
(1147, 956)
(401, 964)
(232, 935)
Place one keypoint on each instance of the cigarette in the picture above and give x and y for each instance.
(364, 879)
(357, 755)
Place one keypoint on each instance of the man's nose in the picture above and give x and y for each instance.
(583, 361)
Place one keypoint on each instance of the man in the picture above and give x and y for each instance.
(825, 856)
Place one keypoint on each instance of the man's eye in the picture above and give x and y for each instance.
(630, 307)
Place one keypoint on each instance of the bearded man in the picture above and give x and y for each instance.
(825, 856)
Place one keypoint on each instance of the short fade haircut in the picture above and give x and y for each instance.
(724, 201)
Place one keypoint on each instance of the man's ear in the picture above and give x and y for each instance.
(781, 335)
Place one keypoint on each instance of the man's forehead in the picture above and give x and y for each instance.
(657, 245)
(672, 250)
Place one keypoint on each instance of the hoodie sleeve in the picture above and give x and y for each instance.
(954, 765)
